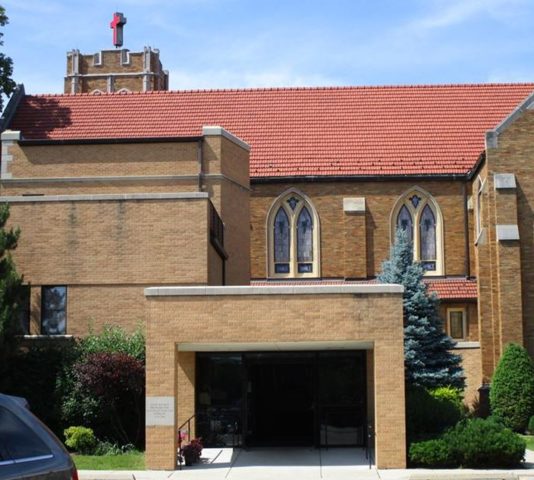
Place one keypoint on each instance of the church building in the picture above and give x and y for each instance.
(244, 229)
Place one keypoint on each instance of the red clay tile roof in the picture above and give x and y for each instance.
(298, 131)
(453, 288)
(446, 288)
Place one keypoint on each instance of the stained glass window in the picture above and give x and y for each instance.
(304, 236)
(293, 238)
(415, 199)
(405, 222)
(281, 236)
(427, 227)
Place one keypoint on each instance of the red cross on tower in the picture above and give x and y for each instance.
(119, 20)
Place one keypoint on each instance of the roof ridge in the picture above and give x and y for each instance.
(293, 89)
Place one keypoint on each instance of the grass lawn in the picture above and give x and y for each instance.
(126, 461)
(530, 441)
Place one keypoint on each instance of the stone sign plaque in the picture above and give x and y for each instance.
(160, 411)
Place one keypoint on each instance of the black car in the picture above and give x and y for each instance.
(28, 449)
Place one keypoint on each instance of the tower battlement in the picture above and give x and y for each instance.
(115, 71)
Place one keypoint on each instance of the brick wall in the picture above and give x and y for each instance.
(342, 234)
(107, 251)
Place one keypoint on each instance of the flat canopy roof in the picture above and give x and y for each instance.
(275, 290)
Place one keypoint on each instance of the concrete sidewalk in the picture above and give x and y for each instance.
(301, 464)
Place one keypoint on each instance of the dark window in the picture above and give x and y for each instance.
(405, 222)
(17, 440)
(457, 324)
(24, 312)
(54, 311)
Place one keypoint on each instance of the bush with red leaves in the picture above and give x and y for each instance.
(117, 380)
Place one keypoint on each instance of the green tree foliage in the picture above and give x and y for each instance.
(428, 359)
(512, 388)
(32, 372)
(7, 85)
(11, 291)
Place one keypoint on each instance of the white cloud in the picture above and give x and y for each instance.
(208, 79)
(447, 13)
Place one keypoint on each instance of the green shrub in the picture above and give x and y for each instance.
(531, 425)
(450, 394)
(472, 443)
(512, 388)
(431, 454)
(429, 414)
(114, 339)
(123, 421)
(478, 443)
(80, 439)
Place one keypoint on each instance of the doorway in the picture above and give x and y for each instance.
(281, 398)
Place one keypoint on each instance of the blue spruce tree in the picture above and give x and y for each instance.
(427, 356)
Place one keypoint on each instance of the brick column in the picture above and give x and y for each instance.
(510, 308)
(390, 413)
(355, 240)
(161, 361)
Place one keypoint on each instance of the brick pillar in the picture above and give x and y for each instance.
(161, 439)
(185, 389)
(510, 308)
(355, 241)
(390, 413)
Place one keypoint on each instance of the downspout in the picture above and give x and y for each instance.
(467, 267)
(200, 161)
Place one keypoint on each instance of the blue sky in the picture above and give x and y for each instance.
(240, 43)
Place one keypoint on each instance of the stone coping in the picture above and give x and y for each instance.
(464, 344)
(217, 130)
(274, 290)
(104, 197)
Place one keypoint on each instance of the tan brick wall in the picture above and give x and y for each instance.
(112, 242)
(381, 198)
(98, 187)
(355, 252)
(472, 365)
(91, 307)
(277, 318)
(106, 252)
(173, 158)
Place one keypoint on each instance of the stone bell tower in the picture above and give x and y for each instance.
(117, 70)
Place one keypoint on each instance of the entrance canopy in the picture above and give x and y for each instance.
(284, 342)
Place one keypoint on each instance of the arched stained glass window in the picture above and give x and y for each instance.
(418, 214)
(293, 238)
(405, 222)
(281, 236)
(304, 236)
(427, 227)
